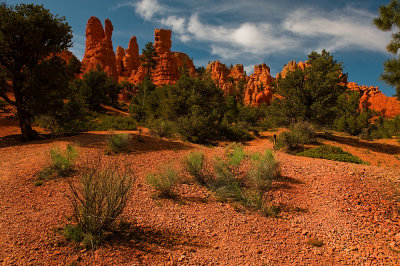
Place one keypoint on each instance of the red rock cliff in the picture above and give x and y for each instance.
(99, 48)
(373, 98)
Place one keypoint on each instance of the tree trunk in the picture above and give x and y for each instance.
(25, 124)
(23, 115)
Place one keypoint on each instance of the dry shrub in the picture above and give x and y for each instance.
(100, 198)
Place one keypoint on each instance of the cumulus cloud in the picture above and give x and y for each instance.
(177, 24)
(264, 31)
(339, 29)
(148, 8)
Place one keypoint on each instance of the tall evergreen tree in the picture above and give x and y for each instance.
(310, 94)
(389, 19)
(38, 81)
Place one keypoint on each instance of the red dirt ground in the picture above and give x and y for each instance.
(353, 209)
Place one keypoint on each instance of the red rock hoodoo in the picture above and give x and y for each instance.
(258, 88)
(225, 77)
(99, 49)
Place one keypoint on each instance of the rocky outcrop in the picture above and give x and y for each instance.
(224, 77)
(374, 99)
(258, 88)
(99, 48)
(292, 66)
(167, 70)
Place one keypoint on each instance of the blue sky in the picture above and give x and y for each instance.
(244, 32)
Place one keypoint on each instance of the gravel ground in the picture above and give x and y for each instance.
(353, 209)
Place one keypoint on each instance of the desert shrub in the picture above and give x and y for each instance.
(350, 118)
(194, 163)
(386, 128)
(63, 161)
(99, 199)
(108, 122)
(265, 168)
(225, 185)
(163, 128)
(331, 153)
(73, 232)
(61, 164)
(235, 133)
(299, 134)
(164, 181)
(235, 154)
(71, 118)
(117, 143)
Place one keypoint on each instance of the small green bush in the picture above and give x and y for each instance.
(163, 128)
(117, 143)
(235, 154)
(194, 163)
(225, 185)
(235, 133)
(99, 199)
(265, 168)
(331, 153)
(108, 122)
(299, 134)
(164, 181)
(61, 164)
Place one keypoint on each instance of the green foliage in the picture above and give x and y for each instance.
(164, 181)
(235, 154)
(61, 164)
(349, 118)
(386, 128)
(298, 134)
(109, 122)
(163, 128)
(388, 20)
(310, 94)
(265, 169)
(97, 88)
(194, 163)
(225, 185)
(73, 232)
(71, 118)
(148, 54)
(99, 199)
(143, 102)
(3, 105)
(63, 161)
(235, 132)
(331, 153)
(117, 143)
(193, 104)
(29, 35)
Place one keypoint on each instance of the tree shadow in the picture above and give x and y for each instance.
(137, 143)
(151, 240)
(373, 146)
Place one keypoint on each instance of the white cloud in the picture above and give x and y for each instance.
(177, 24)
(339, 29)
(148, 8)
